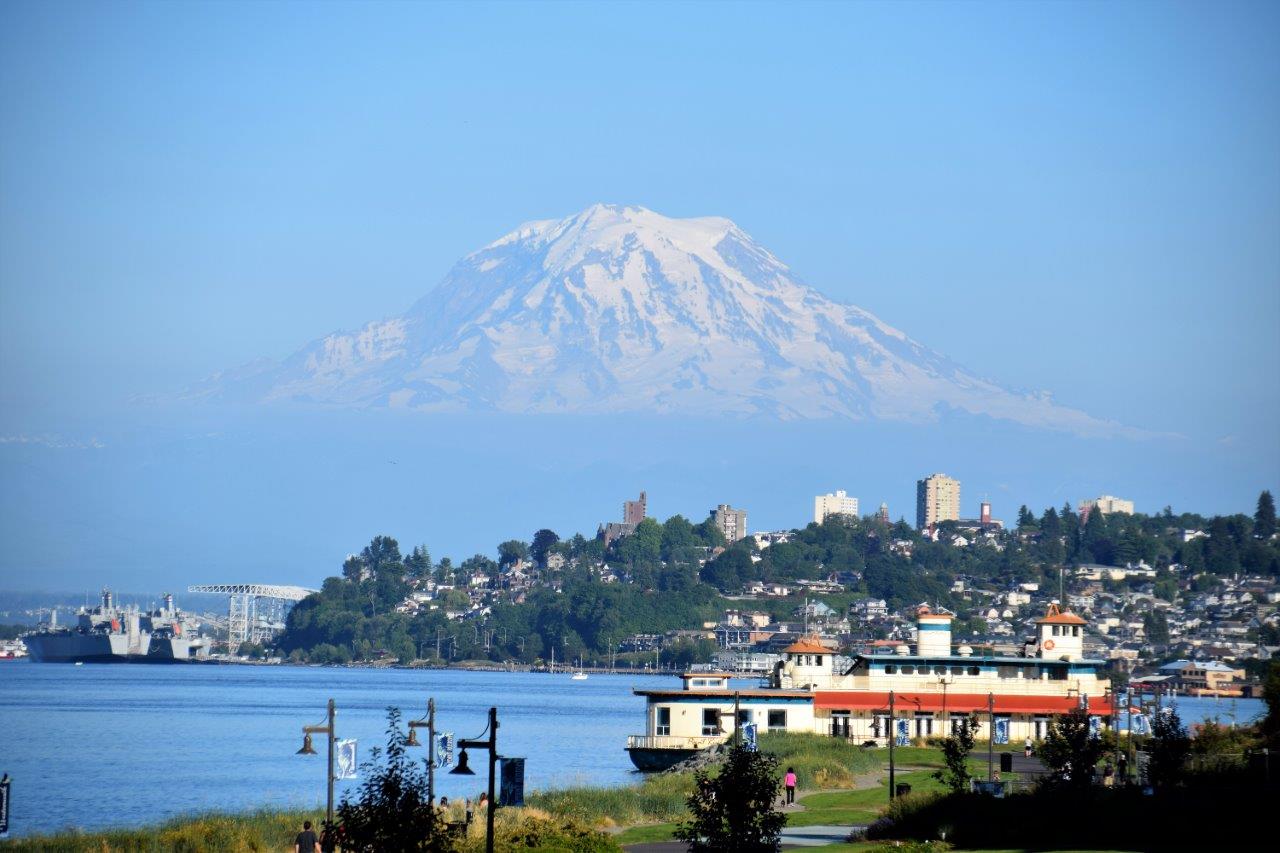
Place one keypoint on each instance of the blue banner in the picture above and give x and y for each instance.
(904, 732)
(444, 749)
(1095, 726)
(1002, 730)
(1140, 725)
(749, 736)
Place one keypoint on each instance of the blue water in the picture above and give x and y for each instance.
(98, 745)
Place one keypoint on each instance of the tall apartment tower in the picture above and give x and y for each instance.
(838, 503)
(884, 512)
(731, 522)
(937, 499)
(634, 512)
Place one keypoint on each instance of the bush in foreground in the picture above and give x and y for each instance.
(737, 809)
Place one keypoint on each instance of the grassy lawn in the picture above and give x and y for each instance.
(644, 834)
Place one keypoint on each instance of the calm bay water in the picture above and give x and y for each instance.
(100, 745)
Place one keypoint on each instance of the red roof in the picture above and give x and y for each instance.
(807, 646)
(1055, 616)
(956, 702)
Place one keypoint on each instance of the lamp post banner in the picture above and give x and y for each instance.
(749, 736)
(512, 791)
(345, 763)
(444, 749)
(1002, 730)
(4, 807)
(904, 732)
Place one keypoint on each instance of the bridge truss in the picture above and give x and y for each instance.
(256, 611)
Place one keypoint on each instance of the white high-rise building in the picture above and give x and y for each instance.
(838, 503)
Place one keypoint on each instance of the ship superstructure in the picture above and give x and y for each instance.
(111, 633)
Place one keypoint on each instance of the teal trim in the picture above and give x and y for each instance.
(934, 626)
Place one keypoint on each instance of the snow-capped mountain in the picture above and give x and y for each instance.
(620, 309)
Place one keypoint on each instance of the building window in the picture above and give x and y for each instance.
(908, 669)
(939, 670)
(817, 661)
(1075, 630)
(957, 670)
(973, 670)
(890, 669)
(663, 727)
(710, 722)
(777, 721)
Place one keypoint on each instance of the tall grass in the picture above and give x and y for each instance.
(658, 799)
(210, 833)
(820, 762)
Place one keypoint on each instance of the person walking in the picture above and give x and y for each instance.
(306, 842)
(790, 782)
(1026, 748)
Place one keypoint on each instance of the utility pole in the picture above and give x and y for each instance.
(991, 736)
(893, 737)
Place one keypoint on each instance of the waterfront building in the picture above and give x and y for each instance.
(937, 499)
(836, 503)
(1106, 504)
(731, 522)
(889, 693)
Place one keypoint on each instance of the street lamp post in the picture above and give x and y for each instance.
(489, 744)
(428, 723)
(307, 749)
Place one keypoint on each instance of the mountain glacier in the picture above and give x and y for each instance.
(619, 309)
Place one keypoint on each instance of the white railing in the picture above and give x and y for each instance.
(672, 742)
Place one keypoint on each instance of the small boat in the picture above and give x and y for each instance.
(79, 663)
(579, 676)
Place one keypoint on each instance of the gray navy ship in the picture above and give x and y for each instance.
(111, 634)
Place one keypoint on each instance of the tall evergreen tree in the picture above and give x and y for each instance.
(1264, 520)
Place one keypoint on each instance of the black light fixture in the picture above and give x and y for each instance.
(412, 740)
(326, 728)
(489, 745)
(462, 769)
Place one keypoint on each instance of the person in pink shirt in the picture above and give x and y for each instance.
(790, 782)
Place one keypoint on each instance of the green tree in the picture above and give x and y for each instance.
(511, 552)
(955, 752)
(1221, 556)
(418, 563)
(380, 553)
(1095, 540)
(1271, 695)
(391, 810)
(1155, 626)
(1167, 750)
(1264, 520)
(353, 568)
(542, 542)
(737, 809)
(1070, 750)
(1026, 521)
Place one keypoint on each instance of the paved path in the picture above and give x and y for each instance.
(793, 838)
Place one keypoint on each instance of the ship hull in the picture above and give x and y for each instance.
(104, 648)
(650, 760)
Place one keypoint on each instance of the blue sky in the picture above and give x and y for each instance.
(1079, 197)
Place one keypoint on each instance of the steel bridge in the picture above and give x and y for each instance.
(257, 610)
